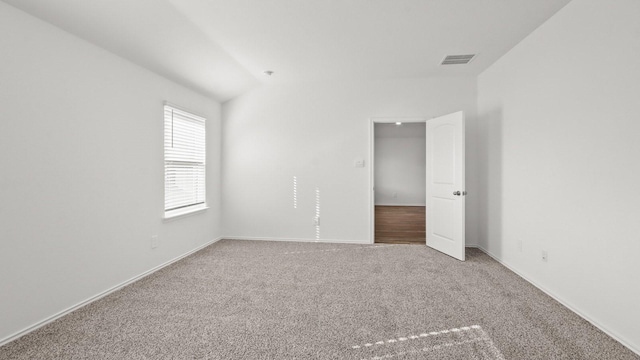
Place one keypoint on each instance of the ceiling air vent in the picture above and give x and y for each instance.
(457, 59)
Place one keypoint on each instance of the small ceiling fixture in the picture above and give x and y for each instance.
(268, 72)
(457, 59)
(398, 123)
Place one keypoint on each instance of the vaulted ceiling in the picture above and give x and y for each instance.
(222, 47)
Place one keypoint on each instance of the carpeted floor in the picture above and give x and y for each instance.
(279, 300)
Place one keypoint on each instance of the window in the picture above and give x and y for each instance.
(184, 162)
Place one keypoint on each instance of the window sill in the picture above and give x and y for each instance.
(180, 213)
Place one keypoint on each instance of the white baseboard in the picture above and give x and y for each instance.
(328, 241)
(395, 204)
(88, 301)
(562, 301)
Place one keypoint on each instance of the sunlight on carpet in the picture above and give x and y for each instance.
(468, 342)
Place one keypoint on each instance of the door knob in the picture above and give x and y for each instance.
(457, 193)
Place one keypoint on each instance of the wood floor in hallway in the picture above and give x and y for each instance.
(400, 224)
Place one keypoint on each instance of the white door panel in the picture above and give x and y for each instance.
(445, 184)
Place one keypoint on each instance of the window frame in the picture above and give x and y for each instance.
(198, 206)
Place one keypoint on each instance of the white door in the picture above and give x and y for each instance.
(445, 184)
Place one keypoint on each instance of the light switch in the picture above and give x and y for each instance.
(359, 163)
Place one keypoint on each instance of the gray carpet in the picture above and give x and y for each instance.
(278, 300)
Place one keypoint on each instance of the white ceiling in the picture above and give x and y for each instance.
(338, 39)
(221, 47)
(150, 33)
(403, 131)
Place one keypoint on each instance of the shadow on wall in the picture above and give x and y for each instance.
(490, 181)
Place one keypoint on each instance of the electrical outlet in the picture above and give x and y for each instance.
(154, 241)
(545, 256)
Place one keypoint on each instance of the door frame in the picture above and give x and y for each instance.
(372, 201)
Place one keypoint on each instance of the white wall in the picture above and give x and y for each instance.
(316, 131)
(558, 140)
(81, 159)
(400, 164)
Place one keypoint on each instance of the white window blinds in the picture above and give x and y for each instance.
(184, 160)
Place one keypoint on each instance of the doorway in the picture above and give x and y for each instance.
(444, 181)
(400, 183)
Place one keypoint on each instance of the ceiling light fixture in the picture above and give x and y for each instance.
(268, 72)
(398, 123)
